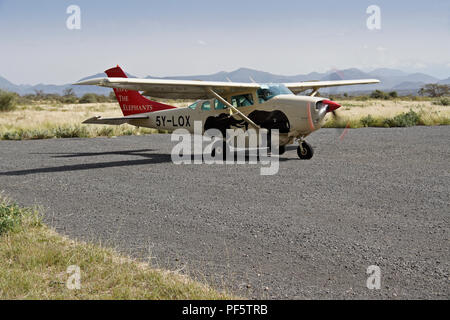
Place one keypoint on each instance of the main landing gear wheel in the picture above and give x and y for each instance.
(305, 151)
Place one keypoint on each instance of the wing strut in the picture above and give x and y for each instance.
(240, 114)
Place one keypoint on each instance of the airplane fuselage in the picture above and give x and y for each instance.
(299, 112)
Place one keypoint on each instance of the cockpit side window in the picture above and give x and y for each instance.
(264, 95)
(267, 92)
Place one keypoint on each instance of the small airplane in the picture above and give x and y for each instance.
(223, 105)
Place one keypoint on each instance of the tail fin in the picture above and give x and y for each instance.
(132, 102)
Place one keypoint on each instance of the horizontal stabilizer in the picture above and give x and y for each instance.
(115, 121)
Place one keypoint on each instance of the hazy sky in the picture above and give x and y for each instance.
(164, 38)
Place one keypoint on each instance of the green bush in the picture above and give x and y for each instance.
(69, 99)
(88, 98)
(368, 121)
(105, 132)
(10, 217)
(408, 119)
(378, 94)
(362, 98)
(7, 101)
(13, 217)
(442, 102)
(94, 98)
(71, 132)
(393, 94)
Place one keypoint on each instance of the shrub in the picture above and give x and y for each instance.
(442, 102)
(393, 94)
(378, 94)
(71, 132)
(69, 99)
(105, 132)
(408, 119)
(7, 101)
(88, 98)
(368, 121)
(12, 216)
(9, 217)
(94, 98)
(362, 98)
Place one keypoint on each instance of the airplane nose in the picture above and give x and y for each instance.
(331, 105)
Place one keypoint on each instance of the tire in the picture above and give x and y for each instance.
(308, 151)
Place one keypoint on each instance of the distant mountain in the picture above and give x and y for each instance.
(408, 85)
(385, 73)
(243, 75)
(7, 85)
(391, 79)
(445, 81)
(347, 74)
(420, 77)
(102, 75)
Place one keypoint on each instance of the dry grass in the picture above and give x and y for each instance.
(34, 261)
(39, 121)
(352, 112)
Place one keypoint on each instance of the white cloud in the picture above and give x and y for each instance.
(201, 42)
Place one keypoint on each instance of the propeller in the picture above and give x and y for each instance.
(335, 115)
(332, 107)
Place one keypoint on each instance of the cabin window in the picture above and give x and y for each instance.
(218, 105)
(243, 100)
(206, 106)
(193, 106)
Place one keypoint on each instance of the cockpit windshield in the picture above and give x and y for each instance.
(268, 91)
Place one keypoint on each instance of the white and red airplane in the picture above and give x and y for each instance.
(223, 105)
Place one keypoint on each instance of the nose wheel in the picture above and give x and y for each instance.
(305, 151)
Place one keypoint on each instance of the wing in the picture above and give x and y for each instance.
(172, 89)
(134, 120)
(315, 85)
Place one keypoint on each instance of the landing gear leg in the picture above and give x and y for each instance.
(305, 151)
